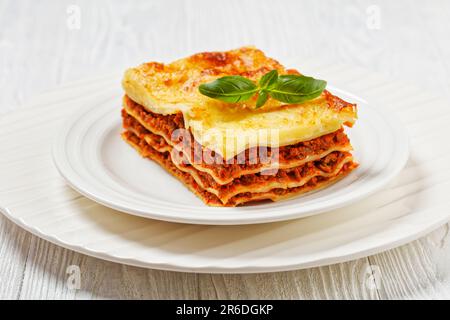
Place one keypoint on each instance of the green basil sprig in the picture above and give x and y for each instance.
(285, 88)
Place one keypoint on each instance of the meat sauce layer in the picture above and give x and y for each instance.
(165, 160)
(167, 124)
(326, 164)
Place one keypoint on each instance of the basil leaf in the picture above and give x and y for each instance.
(296, 89)
(285, 88)
(268, 79)
(231, 89)
(262, 98)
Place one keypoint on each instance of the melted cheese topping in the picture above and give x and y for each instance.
(231, 128)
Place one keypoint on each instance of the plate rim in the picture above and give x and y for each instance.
(249, 269)
(70, 175)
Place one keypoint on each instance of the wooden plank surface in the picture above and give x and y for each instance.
(42, 45)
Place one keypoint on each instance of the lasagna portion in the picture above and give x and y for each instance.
(230, 154)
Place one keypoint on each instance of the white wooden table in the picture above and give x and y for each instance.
(47, 43)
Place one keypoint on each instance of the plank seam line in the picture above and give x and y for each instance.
(377, 290)
(22, 279)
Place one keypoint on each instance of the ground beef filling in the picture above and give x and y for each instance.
(326, 164)
(165, 159)
(166, 124)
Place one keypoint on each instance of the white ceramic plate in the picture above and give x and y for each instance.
(95, 161)
(35, 196)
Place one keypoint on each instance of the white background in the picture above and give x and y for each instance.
(44, 44)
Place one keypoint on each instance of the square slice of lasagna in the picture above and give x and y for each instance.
(230, 154)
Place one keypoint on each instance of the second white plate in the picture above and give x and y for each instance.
(92, 157)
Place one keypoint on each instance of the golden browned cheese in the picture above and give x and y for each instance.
(226, 128)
